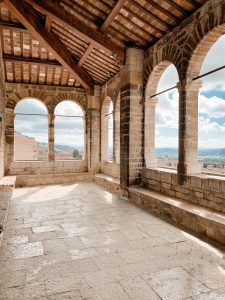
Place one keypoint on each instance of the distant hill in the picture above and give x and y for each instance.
(173, 152)
(62, 147)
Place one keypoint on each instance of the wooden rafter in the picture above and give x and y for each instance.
(86, 54)
(163, 10)
(139, 18)
(112, 15)
(177, 7)
(103, 28)
(30, 60)
(12, 25)
(48, 7)
(194, 3)
(48, 23)
(153, 16)
(32, 22)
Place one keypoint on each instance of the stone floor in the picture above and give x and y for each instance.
(81, 242)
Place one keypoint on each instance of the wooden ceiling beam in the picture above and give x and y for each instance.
(177, 7)
(48, 23)
(163, 10)
(194, 3)
(12, 25)
(48, 7)
(33, 22)
(110, 18)
(31, 60)
(153, 16)
(86, 54)
(138, 17)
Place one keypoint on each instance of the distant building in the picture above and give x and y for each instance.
(26, 148)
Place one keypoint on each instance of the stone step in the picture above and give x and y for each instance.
(43, 179)
(198, 219)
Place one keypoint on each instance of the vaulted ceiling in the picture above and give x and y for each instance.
(81, 42)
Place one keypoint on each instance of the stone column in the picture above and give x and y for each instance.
(131, 118)
(9, 138)
(188, 129)
(114, 134)
(149, 129)
(117, 131)
(93, 130)
(51, 137)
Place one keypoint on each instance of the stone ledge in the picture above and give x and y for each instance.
(7, 185)
(110, 183)
(199, 219)
(7, 182)
(43, 179)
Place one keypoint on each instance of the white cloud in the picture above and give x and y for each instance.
(214, 106)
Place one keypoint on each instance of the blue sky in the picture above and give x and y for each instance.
(211, 104)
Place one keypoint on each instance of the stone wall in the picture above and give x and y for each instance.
(2, 117)
(205, 190)
(47, 167)
(111, 169)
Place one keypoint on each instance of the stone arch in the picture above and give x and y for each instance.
(32, 98)
(80, 99)
(150, 110)
(199, 53)
(15, 97)
(159, 57)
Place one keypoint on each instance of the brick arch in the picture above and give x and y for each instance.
(15, 97)
(78, 98)
(32, 98)
(199, 53)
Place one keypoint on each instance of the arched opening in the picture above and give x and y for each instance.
(207, 75)
(30, 131)
(69, 131)
(161, 117)
(107, 130)
(211, 111)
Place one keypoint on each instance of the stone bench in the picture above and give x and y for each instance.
(43, 179)
(110, 183)
(198, 219)
(7, 185)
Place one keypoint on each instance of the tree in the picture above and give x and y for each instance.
(76, 154)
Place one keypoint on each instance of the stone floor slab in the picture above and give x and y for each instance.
(79, 241)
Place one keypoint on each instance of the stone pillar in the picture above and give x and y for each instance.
(117, 131)
(149, 129)
(188, 129)
(2, 116)
(114, 134)
(93, 130)
(131, 118)
(51, 137)
(9, 138)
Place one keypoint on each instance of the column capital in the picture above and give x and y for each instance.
(189, 85)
